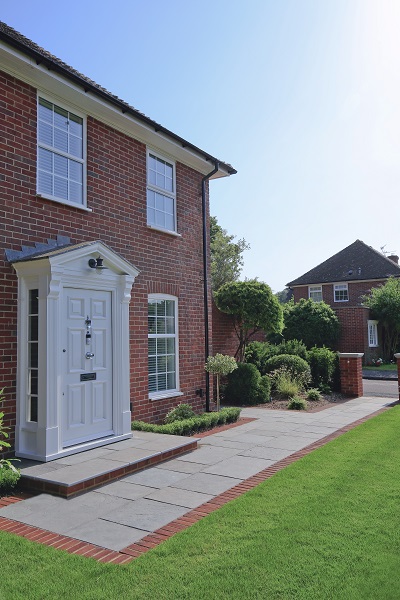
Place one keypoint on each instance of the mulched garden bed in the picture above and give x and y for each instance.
(326, 401)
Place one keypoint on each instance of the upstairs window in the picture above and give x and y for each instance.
(61, 161)
(161, 196)
(315, 293)
(372, 334)
(341, 292)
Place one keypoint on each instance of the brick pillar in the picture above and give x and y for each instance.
(350, 364)
(397, 357)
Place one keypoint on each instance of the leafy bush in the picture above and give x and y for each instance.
(243, 385)
(193, 425)
(180, 413)
(315, 323)
(8, 479)
(258, 353)
(313, 394)
(9, 474)
(322, 363)
(264, 389)
(297, 403)
(296, 366)
(285, 383)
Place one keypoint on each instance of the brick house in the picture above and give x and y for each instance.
(341, 281)
(104, 296)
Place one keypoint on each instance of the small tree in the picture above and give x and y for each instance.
(253, 308)
(220, 364)
(226, 255)
(384, 302)
(315, 323)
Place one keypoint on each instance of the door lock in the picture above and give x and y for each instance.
(89, 355)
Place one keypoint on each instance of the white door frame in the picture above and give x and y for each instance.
(50, 273)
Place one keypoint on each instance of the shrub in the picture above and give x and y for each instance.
(8, 479)
(313, 394)
(264, 389)
(243, 385)
(193, 425)
(297, 403)
(322, 363)
(315, 323)
(179, 413)
(258, 353)
(296, 366)
(284, 383)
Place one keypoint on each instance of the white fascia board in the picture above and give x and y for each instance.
(23, 67)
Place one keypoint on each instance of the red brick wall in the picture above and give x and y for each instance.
(116, 193)
(357, 290)
(351, 382)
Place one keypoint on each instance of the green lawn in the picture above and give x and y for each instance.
(327, 527)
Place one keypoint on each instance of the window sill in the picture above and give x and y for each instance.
(168, 231)
(340, 300)
(64, 202)
(164, 395)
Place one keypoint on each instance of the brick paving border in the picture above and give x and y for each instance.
(126, 555)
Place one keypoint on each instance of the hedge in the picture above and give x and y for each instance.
(193, 425)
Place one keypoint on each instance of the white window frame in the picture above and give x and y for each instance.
(373, 334)
(79, 160)
(168, 393)
(339, 287)
(315, 289)
(160, 190)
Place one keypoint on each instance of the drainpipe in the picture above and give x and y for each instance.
(205, 277)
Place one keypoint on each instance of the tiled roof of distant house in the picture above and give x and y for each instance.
(355, 263)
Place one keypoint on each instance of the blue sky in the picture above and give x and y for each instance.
(301, 96)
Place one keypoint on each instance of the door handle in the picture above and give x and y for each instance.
(89, 355)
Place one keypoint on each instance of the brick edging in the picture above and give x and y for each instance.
(126, 555)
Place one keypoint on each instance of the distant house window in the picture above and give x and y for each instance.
(372, 334)
(61, 159)
(163, 344)
(315, 293)
(341, 292)
(161, 195)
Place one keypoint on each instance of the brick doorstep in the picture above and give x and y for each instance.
(126, 555)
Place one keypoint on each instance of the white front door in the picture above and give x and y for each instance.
(87, 366)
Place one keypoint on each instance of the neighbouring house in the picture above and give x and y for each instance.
(341, 281)
(104, 262)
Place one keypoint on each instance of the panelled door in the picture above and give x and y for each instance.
(87, 366)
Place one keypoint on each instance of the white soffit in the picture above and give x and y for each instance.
(25, 68)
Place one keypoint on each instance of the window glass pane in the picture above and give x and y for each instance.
(161, 346)
(33, 355)
(171, 381)
(45, 160)
(45, 133)
(170, 346)
(160, 220)
(45, 183)
(75, 146)
(34, 409)
(61, 188)
(152, 325)
(160, 205)
(33, 302)
(60, 165)
(75, 125)
(162, 381)
(160, 325)
(75, 192)
(152, 364)
(171, 363)
(160, 180)
(169, 205)
(61, 140)
(33, 382)
(161, 363)
(169, 222)
(60, 118)
(33, 328)
(170, 308)
(152, 383)
(170, 325)
(152, 346)
(152, 308)
(45, 110)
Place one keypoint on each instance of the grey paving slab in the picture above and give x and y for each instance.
(181, 466)
(289, 442)
(268, 453)
(38, 469)
(212, 441)
(249, 438)
(240, 467)
(156, 477)
(208, 455)
(148, 515)
(75, 459)
(107, 534)
(81, 471)
(131, 443)
(130, 455)
(123, 489)
(208, 483)
(179, 497)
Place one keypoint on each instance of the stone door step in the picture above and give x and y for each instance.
(72, 475)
